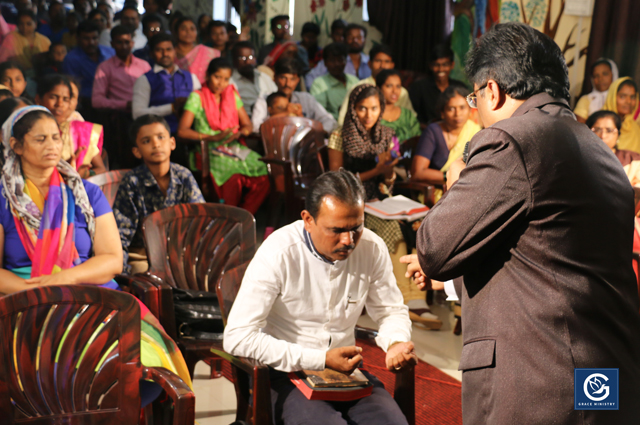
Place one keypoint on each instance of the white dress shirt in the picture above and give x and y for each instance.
(142, 94)
(311, 109)
(261, 86)
(294, 305)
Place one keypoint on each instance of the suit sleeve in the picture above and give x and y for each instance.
(487, 204)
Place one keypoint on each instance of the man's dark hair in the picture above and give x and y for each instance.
(241, 45)
(87, 27)
(522, 60)
(273, 96)
(338, 24)
(159, 38)
(95, 12)
(341, 184)
(9, 105)
(335, 49)
(287, 66)
(355, 27)
(217, 64)
(311, 27)
(441, 51)
(278, 18)
(150, 18)
(380, 48)
(449, 93)
(6, 93)
(130, 6)
(231, 28)
(119, 30)
(593, 118)
(215, 24)
(384, 75)
(145, 120)
(48, 82)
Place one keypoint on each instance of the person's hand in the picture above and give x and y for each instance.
(400, 356)
(74, 156)
(295, 109)
(223, 135)
(56, 279)
(385, 164)
(414, 271)
(454, 172)
(85, 171)
(343, 359)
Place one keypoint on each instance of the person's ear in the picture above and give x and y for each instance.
(308, 220)
(494, 95)
(173, 143)
(136, 152)
(16, 146)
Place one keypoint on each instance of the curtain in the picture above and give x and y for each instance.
(411, 28)
(615, 35)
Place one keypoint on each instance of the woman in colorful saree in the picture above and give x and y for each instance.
(81, 140)
(49, 221)
(191, 56)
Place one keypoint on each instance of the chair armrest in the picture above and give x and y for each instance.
(165, 312)
(184, 400)
(276, 162)
(246, 364)
(143, 289)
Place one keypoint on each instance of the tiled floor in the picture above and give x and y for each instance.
(216, 400)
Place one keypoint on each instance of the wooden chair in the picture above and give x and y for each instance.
(251, 378)
(71, 354)
(293, 153)
(109, 183)
(190, 246)
(414, 188)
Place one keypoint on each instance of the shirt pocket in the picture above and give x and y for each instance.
(478, 354)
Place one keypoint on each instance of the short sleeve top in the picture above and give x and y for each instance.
(433, 146)
(15, 256)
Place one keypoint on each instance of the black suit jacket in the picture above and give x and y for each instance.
(540, 224)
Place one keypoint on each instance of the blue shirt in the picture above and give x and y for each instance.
(363, 72)
(433, 146)
(139, 195)
(54, 37)
(15, 256)
(80, 65)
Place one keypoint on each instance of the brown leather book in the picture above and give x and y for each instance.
(329, 378)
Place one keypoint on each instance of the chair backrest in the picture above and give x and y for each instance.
(69, 354)
(109, 183)
(227, 288)
(190, 245)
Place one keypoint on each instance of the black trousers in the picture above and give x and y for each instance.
(291, 407)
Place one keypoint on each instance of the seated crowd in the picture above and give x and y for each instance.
(173, 85)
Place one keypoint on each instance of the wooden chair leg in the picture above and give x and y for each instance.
(261, 397)
(216, 368)
(405, 394)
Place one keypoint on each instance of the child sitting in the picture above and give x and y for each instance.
(278, 105)
(152, 186)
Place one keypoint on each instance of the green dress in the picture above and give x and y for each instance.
(223, 167)
(406, 126)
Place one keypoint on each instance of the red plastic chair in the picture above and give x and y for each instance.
(109, 183)
(191, 246)
(293, 153)
(71, 355)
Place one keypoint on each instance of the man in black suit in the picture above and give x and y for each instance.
(540, 224)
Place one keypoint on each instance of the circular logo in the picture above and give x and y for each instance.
(594, 387)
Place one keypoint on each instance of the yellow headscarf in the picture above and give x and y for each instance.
(630, 132)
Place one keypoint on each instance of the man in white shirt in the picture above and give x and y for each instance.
(131, 17)
(251, 83)
(287, 78)
(302, 295)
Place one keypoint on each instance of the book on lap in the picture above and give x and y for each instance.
(330, 385)
(397, 208)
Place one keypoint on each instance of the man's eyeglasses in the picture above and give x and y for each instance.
(280, 26)
(156, 29)
(605, 130)
(245, 58)
(472, 98)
